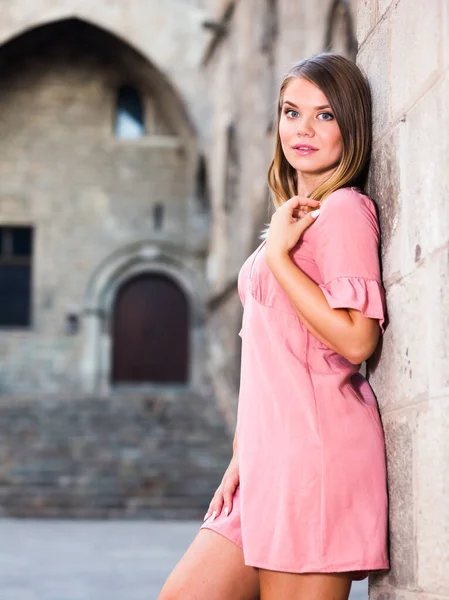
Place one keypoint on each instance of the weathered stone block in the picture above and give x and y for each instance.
(373, 58)
(400, 458)
(364, 19)
(424, 176)
(413, 65)
(385, 189)
(402, 375)
(438, 318)
(432, 505)
(445, 31)
(382, 6)
(389, 593)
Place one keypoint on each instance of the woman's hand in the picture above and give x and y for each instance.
(225, 491)
(288, 223)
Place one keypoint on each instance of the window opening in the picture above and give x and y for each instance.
(16, 248)
(158, 216)
(129, 123)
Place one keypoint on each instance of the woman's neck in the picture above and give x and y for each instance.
(307, 182)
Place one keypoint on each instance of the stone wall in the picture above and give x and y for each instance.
(404, 50)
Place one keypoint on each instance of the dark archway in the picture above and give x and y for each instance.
(150, 332)
(86, 38)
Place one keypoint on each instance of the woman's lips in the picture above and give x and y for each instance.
(304, 150)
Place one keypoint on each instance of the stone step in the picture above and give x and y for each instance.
(130, 457)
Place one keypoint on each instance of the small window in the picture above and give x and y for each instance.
(202, 191)
(158, 216)
(16, 247)
(21, 241)
(232, 169)
(129, 118)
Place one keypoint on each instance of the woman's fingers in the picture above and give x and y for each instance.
(215, 505)
(222, 497)
(300, 207)
(228, 494)
(302, 203)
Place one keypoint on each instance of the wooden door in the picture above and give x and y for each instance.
(150, 332)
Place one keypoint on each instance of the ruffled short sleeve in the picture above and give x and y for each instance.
(347, 253)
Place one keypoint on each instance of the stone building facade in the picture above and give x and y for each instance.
(206, 75)
(106, 407)
(90, 195)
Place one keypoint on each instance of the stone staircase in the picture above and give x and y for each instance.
(125, 456)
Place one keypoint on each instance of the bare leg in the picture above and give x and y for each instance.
(212, 569)
(275, 585)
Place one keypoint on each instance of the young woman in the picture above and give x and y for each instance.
(302, 508)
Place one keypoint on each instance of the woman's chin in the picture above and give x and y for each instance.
(312, 169)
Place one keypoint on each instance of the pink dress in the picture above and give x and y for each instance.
(312, 495)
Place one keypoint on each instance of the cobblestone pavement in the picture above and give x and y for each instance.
(94, 560)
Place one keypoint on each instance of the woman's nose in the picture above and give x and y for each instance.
(304, 127)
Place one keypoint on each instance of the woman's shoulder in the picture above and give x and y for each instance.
(349, 199)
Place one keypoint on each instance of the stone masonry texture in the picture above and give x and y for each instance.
(132, 456)
(409, 181)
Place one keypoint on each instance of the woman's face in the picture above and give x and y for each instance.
(310, 137)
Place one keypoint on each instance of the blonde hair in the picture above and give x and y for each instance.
(348, 93)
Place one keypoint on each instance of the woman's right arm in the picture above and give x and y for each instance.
(225, 492)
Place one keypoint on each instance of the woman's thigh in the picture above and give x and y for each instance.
(275, 585)
(212, 569)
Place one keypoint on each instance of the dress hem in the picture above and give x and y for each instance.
(228, 537)
(315, 569)
(339, 568)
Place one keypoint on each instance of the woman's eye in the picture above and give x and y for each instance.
(327, 115)
(289, 111)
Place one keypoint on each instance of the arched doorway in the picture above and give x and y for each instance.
(150, 332)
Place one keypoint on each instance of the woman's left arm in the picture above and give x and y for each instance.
(346, 310)
(344, 330)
